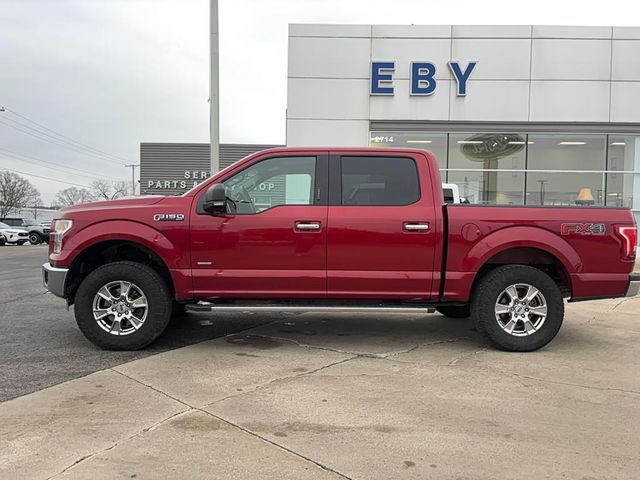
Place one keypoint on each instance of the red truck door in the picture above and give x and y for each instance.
(272, 242)
(382, 238)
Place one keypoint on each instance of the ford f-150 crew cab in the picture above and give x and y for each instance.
(300, 229)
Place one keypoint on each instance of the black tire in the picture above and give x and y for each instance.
(178, 309)
(454, 311)
(21, 242)
(158, 300)
(490, 290)
(35, 238)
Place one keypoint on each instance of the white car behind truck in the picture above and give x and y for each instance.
(14, 234)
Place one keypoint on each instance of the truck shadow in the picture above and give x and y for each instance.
(362, 333)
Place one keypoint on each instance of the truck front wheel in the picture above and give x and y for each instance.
(517, 308)
(123, 306)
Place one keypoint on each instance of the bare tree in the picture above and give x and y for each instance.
(15, 192)
(73, 196)
(34, 203)
(103, 190)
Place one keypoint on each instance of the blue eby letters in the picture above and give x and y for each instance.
(461, 77)
(422, 78)
(382, 72)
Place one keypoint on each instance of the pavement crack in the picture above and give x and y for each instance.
(455, 361)
(420, 345)
(115, 444)
(569, 384)
(224, 420)
(319, 347)
(279, 446)
(17, 299)
(281, 379)
(621, 302)
(377, 356)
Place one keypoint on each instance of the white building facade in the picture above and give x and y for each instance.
(515, 114)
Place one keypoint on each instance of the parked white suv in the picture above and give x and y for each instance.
(14, 234)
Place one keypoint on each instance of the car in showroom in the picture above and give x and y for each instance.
(17, 235)
(38, 232)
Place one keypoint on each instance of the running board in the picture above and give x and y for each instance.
(236, 308)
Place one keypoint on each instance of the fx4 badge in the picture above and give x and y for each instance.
(582, 228)
(168, 217)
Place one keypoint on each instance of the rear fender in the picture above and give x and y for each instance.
(522, 236)
(458, 284)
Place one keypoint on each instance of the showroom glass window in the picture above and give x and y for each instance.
(379, 181)
(272, 182)
(436, 143)
(488, 152)
(623, 155)
(559, 153)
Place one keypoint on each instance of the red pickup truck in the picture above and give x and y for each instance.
(302, 229)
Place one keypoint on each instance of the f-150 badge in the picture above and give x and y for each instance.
(168, 217)
(582, 229)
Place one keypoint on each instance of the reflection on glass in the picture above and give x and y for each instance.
(498, 188)
(553, 152)
(566, 152)
(621, 156)
(565, 189)
(490, 151)
(435, 142)
(487, 150)
(620, 190)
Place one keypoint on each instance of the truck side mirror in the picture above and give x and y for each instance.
(215, 199)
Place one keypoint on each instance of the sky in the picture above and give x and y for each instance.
(113, 73)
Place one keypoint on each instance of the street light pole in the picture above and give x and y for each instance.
(214, 100)
(133, 166)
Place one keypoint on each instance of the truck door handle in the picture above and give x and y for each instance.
(307, 226)
(415, 226)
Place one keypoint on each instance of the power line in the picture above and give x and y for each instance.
(64, 136)
(55, 141)
(46, 178)
(32, 160)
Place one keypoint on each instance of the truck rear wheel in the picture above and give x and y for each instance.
(454, 311)
(123, 306)
(517, 308)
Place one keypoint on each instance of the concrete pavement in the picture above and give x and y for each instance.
(41, 345)
(348, 396)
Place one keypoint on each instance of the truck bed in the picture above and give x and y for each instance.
(583, 239)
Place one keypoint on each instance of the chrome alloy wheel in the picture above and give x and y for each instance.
(521, 309)
(120, 307)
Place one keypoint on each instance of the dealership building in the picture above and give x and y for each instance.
(515, 114)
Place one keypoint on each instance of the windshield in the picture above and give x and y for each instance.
(4, 225)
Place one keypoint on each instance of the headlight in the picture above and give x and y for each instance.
(59, 228)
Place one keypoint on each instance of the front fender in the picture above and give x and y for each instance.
(77, 241)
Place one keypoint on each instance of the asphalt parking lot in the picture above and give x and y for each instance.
(40, 344)
(332, 396)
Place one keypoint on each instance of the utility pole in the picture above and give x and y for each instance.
(133, 166)
(214, 81)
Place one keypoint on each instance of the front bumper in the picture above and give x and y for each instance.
(54, 279)
(634, 285)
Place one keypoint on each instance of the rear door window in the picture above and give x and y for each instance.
(379, 181)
